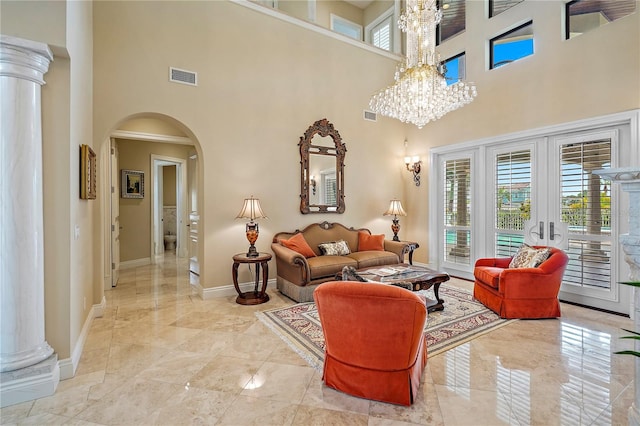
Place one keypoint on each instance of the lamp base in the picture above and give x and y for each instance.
(253, 252)
(395, 227)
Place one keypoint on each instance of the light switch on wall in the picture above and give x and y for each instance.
(76, 233)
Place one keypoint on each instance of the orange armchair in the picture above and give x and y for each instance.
(520, 292)
(374, 339)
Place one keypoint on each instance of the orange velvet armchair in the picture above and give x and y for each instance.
(375, 346)
(520, 292)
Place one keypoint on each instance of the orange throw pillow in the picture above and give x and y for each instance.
(299, 244)
(370, 242)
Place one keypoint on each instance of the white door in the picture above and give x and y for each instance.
(115, 215)
(194, 217)
(544, 193)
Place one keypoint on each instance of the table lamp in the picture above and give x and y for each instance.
(395, 209)
(251, 210)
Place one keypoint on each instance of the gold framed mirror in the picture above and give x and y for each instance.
(322, 155)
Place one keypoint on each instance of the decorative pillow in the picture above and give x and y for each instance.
(529, 257)
(299, 244)
(335, 248)
(370, 242)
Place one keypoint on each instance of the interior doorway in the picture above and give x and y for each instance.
(167, 218)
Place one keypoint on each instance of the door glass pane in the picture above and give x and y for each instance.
(513, 200)
(586, 207)
(457, 214)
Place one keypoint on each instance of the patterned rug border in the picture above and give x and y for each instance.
(314, 356)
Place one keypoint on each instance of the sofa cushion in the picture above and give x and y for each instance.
(370, 242)
(529, 257)
(489, 275)
(326, 266)
(299, 244)
(370, 258)
(334, 248)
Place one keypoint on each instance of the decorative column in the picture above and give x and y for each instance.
(629, 178)
(25, 357)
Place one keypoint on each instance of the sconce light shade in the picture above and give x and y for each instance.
(413, 165)
(251, 210)
(395, 209)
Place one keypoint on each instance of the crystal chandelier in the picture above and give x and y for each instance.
(420, 93)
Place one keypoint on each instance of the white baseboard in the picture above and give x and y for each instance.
(135, 263)
(229, 290)
(68, 366)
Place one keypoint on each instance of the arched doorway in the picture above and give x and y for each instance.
(134, 233)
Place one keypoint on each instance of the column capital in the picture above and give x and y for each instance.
(24, 59)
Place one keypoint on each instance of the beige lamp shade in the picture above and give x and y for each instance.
(251, 210)
(395, 209)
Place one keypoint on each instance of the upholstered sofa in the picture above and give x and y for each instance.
(524, 292)
(302, 266)
(374, 340)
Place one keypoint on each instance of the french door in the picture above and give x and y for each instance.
(541, 191)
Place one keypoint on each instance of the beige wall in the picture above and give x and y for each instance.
(262, 82)
(72, 266)
(261, 85)
(135, 213)
(169, 185)
(324, 10)
(565, 80)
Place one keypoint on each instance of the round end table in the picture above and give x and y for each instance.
(256, 296)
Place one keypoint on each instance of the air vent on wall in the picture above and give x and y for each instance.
(177, 75)
(370, 115)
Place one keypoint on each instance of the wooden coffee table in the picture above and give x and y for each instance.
(413, 278)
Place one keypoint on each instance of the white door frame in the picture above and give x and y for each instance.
(629, 121)
(157, 236)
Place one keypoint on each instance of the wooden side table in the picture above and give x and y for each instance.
(256, 296)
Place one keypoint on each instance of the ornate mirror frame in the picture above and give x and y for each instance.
(307, 148)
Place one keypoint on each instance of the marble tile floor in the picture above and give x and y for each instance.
(161, 355)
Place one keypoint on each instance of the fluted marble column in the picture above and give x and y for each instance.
(23, 64)
(629, 178)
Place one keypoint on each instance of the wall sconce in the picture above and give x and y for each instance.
(312, 182)
(413, 165)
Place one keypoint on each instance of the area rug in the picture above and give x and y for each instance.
(462, 319)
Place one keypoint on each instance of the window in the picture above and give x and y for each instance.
(513, 200)
(453, 19)
(382, 33)
(346, 27)
(587, 15)
(457, 211)
(512, 45)
(454, 69)
(498, 6)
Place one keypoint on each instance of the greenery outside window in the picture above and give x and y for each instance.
(513, 45)
(587, 15)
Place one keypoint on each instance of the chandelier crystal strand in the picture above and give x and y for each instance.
(420, 93)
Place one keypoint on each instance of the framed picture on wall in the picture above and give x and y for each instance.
(132, 184)
(87, 173)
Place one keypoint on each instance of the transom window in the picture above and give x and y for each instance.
(498, 6)
(512, 45)
(453, 19)
(382, 33)
(346, 27)
(587, 15)
(454, 69)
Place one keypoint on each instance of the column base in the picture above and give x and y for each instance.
(29, 383)
(634, 415)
